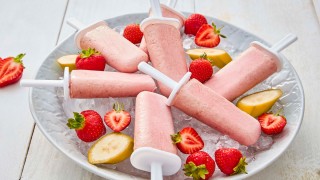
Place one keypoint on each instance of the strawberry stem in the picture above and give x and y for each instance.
(18, 59)
(204, 55)
(118, 107)
(176, 138)
(197, 172)
(89, 52)
(76, 123)
(241, 167)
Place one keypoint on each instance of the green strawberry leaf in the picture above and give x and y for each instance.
(197, 172)
(76, 123)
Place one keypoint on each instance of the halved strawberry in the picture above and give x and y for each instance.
(188, 140)
(117, 119)
(272, 123)
(11, 70)
(208, 36)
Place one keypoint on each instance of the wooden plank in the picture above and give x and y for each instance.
(22, 31)
(44, 161)
(271, 20)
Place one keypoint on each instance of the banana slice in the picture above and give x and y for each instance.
(260, 102)
(110, 149)
(68, 61)
(218, 57)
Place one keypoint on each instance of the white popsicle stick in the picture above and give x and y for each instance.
(156, 171)
(50, 83)
(151, 71)
(156, 9)
(172, 3)
(283, 43)
(75, 23)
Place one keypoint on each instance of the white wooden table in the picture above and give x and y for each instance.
(35, 27)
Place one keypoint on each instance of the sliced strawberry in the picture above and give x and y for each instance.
(188, 140)
(272, 123)
(117, 119)
(208, 36)
(11, 70)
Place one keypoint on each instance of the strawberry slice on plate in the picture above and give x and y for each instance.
(208, 36)
(188, 140)
(11, 70)
(117, 119)
(272, 124)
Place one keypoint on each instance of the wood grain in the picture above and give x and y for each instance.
(22, 31)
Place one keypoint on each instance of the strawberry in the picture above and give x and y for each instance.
(188, 140)
(230, 161)
(208, 36)
(199, 165)
(133, 33)
(201, 69)
(193, 23)
(117, 119)
(88, 125)
(90, 59)
(272, 123)
(11, 70)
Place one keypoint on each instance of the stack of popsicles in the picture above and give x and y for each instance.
(209, 102)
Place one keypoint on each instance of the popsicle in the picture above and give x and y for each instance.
(153, 147)
(119, 53)
(253, 66)
(164, 45)
(97, 84)
(167, 11)
(202, 103)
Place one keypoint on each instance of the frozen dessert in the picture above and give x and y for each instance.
(164, 46)
(97, 84)
(153, 123)
(119, 53)
(204, 104)
(153, 149)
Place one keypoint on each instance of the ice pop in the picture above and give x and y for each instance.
(97, 84)
(253, 66)
(153, 149)
(202, 103)
(164, 45)
(167, 11)
(119, 53)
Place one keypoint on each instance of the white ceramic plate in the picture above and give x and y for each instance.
(47, 110)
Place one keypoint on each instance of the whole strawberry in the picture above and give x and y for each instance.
(201, 69)
(199, 165)
(88, 125)
(193, 23)
(208, 36)
(90, 59)
(230, 161)
(272, 124)
(133, 33)
(188, 140)
(117, 119)
(11, 70)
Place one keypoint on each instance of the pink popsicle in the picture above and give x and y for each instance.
(119, 53)
(249, 69)
(153, 123)
(202, 103)
(166, 52)
(210, 108)
(103, 84)
(166, 12)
